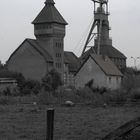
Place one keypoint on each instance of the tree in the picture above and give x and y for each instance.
(1, 65)
(51, 81)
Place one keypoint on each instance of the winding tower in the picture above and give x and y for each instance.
(99, 33)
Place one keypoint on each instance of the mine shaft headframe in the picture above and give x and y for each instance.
(101, 1)
(100, 4)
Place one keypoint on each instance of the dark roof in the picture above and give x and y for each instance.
(35, 44)
(72, 60)
(106, 65)
(49, 2)
(107, 50)
(69, 57)
(49, 14)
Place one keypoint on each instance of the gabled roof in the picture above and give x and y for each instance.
(40, 49)
(73, 61)
(35, 44)
(106, 65)
(110, 51)
(69, 57)
(49, 14)
(107, 50)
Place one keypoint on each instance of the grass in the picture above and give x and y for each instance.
(89, 119)
(82, 122)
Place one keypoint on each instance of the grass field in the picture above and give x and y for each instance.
(23, 122)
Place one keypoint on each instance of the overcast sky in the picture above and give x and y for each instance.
(16, 17)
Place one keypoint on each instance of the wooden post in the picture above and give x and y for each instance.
(50, 124)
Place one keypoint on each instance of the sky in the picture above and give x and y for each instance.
(16, 17)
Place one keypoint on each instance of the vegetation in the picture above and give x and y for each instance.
(24, 86)
(50, 90)
(51, 81)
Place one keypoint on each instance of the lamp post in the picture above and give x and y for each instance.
(135, 60)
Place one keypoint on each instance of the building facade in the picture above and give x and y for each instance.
(34, 58)
(101, 71)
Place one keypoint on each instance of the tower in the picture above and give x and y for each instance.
(102, 41)
(49, 30)
(101, 23)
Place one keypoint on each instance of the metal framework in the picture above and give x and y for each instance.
(97, 23)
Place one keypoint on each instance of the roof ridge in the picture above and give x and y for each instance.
(49, 14)
(41, 50)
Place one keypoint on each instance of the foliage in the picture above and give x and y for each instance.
(89, 83)
(135, 94)
(7, 92)
(83, 96)
(51, 81)
(128, 82)
(117, 97)
(6, 100)
(46, 98)
(30, 87)
(5, 73)
(25, 86)
(1, 65)
(131, 80)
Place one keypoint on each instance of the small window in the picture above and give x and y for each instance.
(58, 55)
(117, 79)
(58, 65)
(109, 79)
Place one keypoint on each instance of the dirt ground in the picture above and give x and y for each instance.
(27, 122)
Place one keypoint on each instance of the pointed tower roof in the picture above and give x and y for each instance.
(49, 2)
(49, 14)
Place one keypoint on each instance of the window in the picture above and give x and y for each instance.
(117, 79)
(42, 26)
(58, 65)
(58, 45)
(109, 79)
(58, 55)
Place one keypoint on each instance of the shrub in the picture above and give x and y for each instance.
(135, 94)
(51, 81)
(7, 92)
(6, 100)
(46, 98)
(117, 97)
(66, 94)
(30, 87)
(89, 97)
(82, 96)
(128, 82)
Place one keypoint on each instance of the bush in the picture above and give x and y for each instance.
(46, 98)
(30, 87)
(82, 96)
(7, 92)
(66, 94)
(6, 100)
(135, 94)
(89, 97)
(51, 81)
(117, 97)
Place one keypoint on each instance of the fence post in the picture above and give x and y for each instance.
(50, 124)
